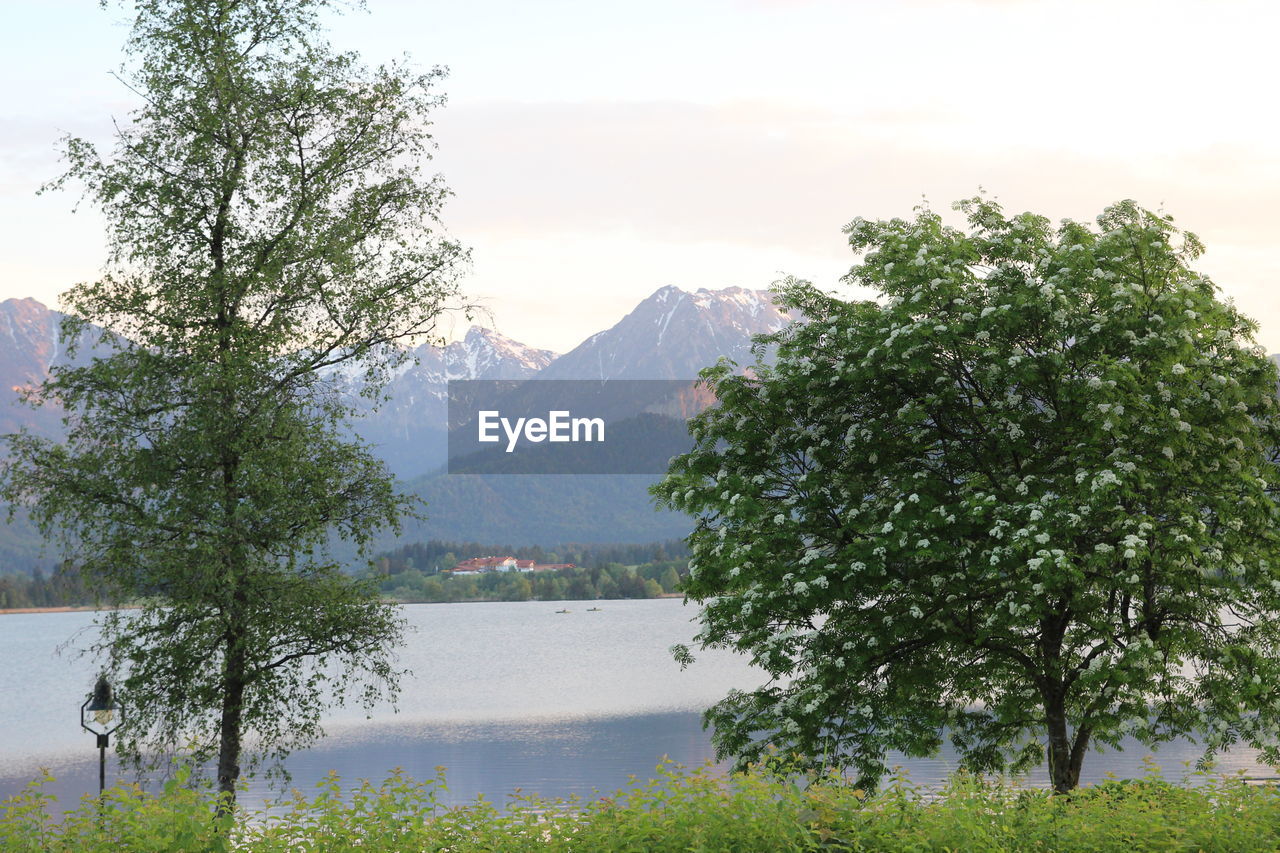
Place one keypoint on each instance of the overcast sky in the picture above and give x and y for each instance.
(600, 149)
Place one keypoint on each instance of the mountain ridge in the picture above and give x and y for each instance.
(671, 330)
(670, 334)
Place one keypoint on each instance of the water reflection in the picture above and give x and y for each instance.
(549, 758)
(505, 695)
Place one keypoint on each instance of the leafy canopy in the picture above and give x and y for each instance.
(270, 222)
(1025, 499)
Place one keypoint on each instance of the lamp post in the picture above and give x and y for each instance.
(101, 714)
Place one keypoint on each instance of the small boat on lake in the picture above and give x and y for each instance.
(594, 609)
(562, 611)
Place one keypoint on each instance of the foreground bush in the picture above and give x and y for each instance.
(680, 810)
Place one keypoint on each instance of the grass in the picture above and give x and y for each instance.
(679, 809)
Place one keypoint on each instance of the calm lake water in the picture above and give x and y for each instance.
(504, 695)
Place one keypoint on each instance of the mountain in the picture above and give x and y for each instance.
(539, 509)
(672, 335)
(409, 430)
(29, 346)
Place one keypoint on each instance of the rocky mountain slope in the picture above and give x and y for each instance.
(409, 430)
(670, 335)
(29, 347)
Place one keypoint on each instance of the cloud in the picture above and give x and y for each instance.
(758, 171)
(577, 210)
(779, 181)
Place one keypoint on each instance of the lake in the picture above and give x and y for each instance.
(504, 695)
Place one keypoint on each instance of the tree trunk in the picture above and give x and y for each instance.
(1064, 759)
(1078, 749)
(233, 684)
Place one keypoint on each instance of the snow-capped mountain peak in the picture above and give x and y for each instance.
(481, 354)
(673, 334)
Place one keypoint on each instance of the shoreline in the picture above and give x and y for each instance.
(82, 608)
(534, 600)
(65, 608)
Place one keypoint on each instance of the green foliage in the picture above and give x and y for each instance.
(1028, 495)
(65, 587)
(670, 580)
(269, 222)
(551, 585)
(435, 554)
(411, 572)
(677, 810)
(181, 817)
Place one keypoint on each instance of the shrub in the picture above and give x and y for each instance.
(680, 809)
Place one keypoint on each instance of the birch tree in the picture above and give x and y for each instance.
(270, 222)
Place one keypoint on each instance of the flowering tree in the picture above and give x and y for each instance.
(1024, 500)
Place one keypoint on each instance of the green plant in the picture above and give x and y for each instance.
(272, 229)
(1024, 500)
(678, 810)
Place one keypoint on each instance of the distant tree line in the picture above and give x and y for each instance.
(63, 588)
(436, 555)
(416, 572)
(413, 573)
(610, 581)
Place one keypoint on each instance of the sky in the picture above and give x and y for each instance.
(601, 149)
